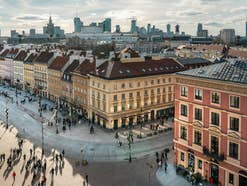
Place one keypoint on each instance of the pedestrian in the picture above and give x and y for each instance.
(52, 171)
(166, 166)
(24, 157)
(166, 155)
(14, 175)
(63, 152)
(31, 152)
(87, 179)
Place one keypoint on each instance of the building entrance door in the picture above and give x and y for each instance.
(191, 161)
(115, 127)
(242, 181)
(215, 173)
(152, 115)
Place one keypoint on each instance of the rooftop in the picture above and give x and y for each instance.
(31, 58)
(86, 67)
(59, 62)
(21, 56)
(235, 72)
(189, 61)
(72, 67)
(44, 57)
(119, 70)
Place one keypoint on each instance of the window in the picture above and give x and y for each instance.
(231, 178)
(152, 91)
(198, 138)
(123, 96)
(234, 101)
(158, 90)
(146, 83)
(214, 145)
(169, 97)
(233, 150)
(163, 98)
(215, 98)
(198, 114)
(123, 106)
(158, 99)
(138, 84)
(215, 118)
(169, 89)
(198, 94)
(182, 156)
(115, 98)
(138, 104)
(199, 164)
(123, 86)
(146, 93)
(183, 133)
(169, 79)
(138, 94)
(115, 108)
(130, 85)
(158, 81)
(131, 95)
(184, 91)
(183, 110)
(234, 124)
(131, 105)
(152, 82)
(164, 80)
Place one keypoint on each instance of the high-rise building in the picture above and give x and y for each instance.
(149, 28)
(177, 30)
(32, 32)
(77, 24)
(227, 35)
(93, 24)
(168, 28)
(13, 33)
(201, 32)
(246, 29)
(118, 28)
(49, 29)
(107, 25)
(133, 26)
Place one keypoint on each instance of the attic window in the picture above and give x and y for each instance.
(155, 69)
(103, 71)
(167, 68)
(161, 68)
(128, 71)
(150, 69)
(120, 71)
(143, 70)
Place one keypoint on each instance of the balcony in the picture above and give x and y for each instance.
(213, 155)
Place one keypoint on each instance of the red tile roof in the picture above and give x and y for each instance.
(4, 53)
(72, 67)
(58, 63)
(119, 70)
(31, 58)
(21, 56)
(86, 67)
(44, 57)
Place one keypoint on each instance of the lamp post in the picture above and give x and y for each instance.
(7, 115)
(56, 121)
(42, 126)
(129, 143)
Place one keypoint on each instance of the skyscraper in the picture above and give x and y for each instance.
(199, 30)
(49, 29)
(133, 26)
(227, 35)
(149, 28)
(177, 30)
(107, 25)
(77, 24)
(246, 29)
(168, 28)
(118, 28)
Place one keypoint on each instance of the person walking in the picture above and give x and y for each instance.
(14, 175)
(87, 179)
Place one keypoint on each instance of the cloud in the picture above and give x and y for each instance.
(35, 18)
(239, 9)
(214, 24)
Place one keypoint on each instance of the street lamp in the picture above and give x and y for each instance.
(56, 121)
(129, 143)
(7, 115)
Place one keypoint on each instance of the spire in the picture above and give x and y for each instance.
(50, 20)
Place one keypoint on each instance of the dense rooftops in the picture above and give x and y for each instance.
(227, 71)
(119, 70)
(21, 56)
(44, 57)
(59, 62)
(86, 67)
(189, 61)
(31, 58)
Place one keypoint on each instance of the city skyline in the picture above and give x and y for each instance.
(186, 13)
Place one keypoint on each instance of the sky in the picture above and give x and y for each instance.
(213, 14)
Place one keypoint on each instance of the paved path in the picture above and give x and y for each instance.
(98, 147)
